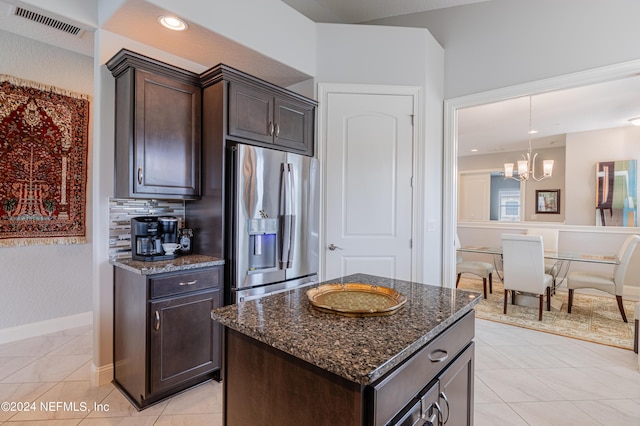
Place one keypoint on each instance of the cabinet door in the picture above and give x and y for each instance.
(294, 126)
(250, 113)
(456, 390)
(167, 137)
(185, 342)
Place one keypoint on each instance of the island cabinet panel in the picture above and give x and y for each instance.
(455, 391)
(391, 393)
(263, 385)
(158, 122)
(164, 339)
(287, 363)
(446, 400)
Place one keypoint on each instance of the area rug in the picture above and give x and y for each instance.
(44, 135)
(593, 318)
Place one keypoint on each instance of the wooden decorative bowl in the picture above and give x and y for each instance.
(356, 299)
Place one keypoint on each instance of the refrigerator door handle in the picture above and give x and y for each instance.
(287, 216)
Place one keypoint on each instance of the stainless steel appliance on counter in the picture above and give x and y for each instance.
(273, 221)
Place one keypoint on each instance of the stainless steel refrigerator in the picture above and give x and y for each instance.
(273, 221)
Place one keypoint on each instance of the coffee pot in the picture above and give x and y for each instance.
(149, 233)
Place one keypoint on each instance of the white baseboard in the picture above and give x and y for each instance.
(101, 375)
(632, 293)
(40, 328)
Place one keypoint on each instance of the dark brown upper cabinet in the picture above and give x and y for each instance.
(158, 126)
(172, 124)
(262, 115)
(246, 109)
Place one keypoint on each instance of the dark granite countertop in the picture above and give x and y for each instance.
(359, 349)
(180, 263)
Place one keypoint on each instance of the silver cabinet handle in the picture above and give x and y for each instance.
(443, 396)
(156, 326)
(436, 415)
(333, 247)
(277, 130)
(140, 175)
(188, 282)
(270, 128)
(442, 355)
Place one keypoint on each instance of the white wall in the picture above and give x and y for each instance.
(501, 43)
(583, 151)
(39, 283)
(372, 56)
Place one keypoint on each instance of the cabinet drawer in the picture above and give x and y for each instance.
(184, 282)
(396, 390)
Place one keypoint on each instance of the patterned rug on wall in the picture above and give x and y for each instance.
(44, 136)
(593, 318)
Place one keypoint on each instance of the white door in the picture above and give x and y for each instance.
(368, 172)
(474, 196)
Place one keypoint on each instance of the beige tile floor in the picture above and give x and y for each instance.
(523, 377)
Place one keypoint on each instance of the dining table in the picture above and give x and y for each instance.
(561, 268)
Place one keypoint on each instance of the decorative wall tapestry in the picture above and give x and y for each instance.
(43, 164)
(617, 193)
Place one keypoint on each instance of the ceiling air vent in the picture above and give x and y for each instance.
(48, 21)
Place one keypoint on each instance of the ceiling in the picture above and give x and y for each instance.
(357, 11)
(504, 126)
(491, 128)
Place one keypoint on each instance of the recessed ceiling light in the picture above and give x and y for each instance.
(532, 132)
(474, 150)
(635, 121)
(172, 23)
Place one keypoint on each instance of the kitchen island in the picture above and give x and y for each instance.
(287, 363)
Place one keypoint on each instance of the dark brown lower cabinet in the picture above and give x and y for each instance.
(164, 339)
(448, 400)
(263, 385)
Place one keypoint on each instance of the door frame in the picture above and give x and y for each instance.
(450, 163)
(417, 190)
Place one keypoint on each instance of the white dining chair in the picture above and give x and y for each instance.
(523, 268)
(482, 269)
(549, 243)
(611, 283)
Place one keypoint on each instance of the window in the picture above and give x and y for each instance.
(509, 206)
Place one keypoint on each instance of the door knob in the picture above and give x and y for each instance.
(332, 247)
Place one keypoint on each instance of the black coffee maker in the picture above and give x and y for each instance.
(148, 233)
(168, 229)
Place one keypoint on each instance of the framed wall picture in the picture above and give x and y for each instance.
(617, 193)
(548, 201)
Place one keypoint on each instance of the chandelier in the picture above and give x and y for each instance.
(526, 166)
